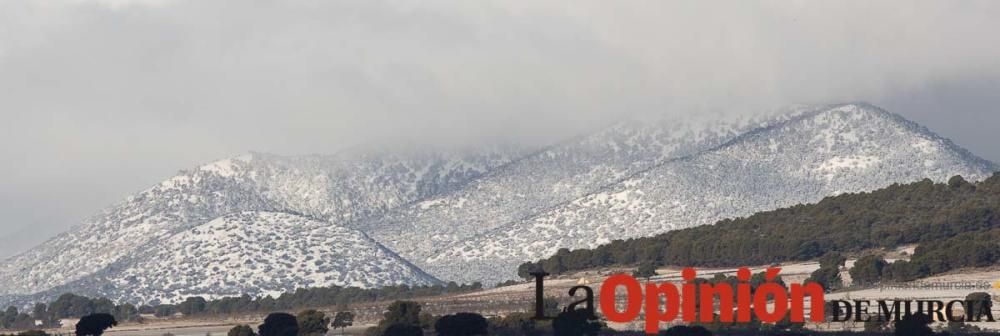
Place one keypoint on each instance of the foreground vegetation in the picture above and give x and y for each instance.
(955, 224)
(404, 318)
(71, 305)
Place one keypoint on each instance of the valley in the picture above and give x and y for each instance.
(520, 298)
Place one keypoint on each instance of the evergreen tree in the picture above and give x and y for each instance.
(40, 312)
(461, 324)
(914, 325)
(95, 324)
(9, 316)
(575, 323)
(832, 260)
(279, 324)
(241, 330)
(342, 320)
(313, 322)
(399, 314)
(192, 306)
(980, 303)
(867, 270)
(407, 312)
(828, 277)
(70, 305)
(514, 324)
(646, 270)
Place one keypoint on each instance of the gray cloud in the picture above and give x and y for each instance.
(102, 98)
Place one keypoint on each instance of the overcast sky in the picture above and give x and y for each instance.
(99, 99)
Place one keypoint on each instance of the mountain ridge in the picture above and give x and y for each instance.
(189, 264)
(442, 214)
(543, 231)
(210, 191)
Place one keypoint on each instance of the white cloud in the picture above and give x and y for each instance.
(100, 98)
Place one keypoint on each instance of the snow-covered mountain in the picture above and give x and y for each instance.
(263, 223)
(849, 148)
(551, 176)
(336, 189)
(255, 253)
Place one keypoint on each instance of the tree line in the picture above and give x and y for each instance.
(309, 297)
(66, 306)
(956, 224)
(405, 318)
(71, 305)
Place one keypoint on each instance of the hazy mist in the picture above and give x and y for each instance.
(99, 99)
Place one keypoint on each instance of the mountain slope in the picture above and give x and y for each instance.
(255, 253)
(335, 188)
(955, 225)
(848, 148)
(469, 216)
(551, 176)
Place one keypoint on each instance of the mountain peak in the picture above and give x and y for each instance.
(466, 215)
(827, 151)
(227, 167)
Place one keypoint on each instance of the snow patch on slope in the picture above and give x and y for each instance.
(848, 148)
(261, 253)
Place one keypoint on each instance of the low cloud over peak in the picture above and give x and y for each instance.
(101, 98)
